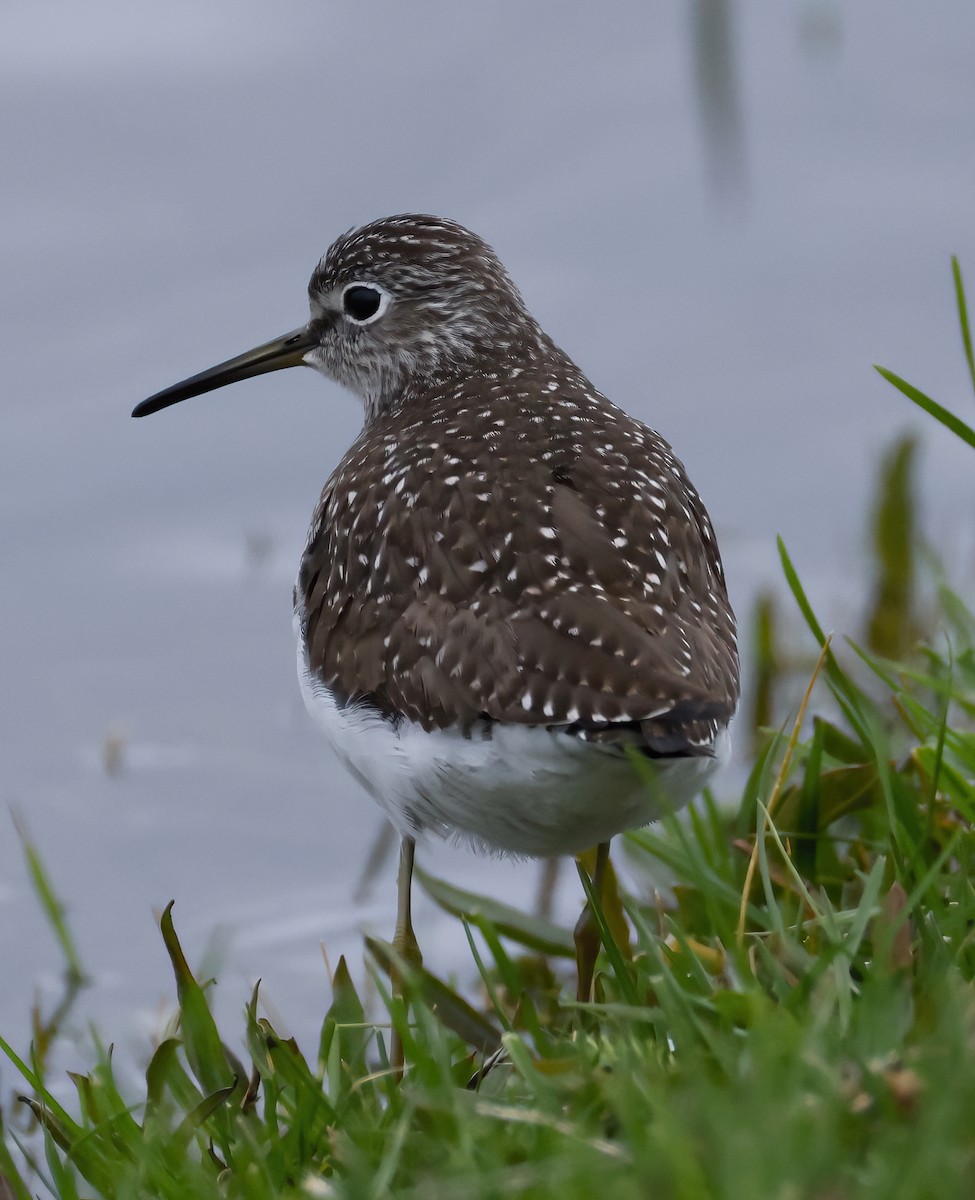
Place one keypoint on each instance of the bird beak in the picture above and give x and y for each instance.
(286, 351)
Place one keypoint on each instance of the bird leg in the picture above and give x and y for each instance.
(404, 939)
(546, 887)
(586, 935)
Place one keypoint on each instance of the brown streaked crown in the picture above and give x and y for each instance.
(451, 302)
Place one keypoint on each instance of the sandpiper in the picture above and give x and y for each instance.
(509, 584)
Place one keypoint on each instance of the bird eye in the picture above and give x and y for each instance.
(361, 302)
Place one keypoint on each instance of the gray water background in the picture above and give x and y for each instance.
(725, 213)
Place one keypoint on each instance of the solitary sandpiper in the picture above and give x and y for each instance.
(509, 584)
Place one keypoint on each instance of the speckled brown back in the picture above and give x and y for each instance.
(507, 544)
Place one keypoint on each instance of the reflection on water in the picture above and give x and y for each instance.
(716, 76)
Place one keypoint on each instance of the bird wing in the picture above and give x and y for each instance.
(563, 576)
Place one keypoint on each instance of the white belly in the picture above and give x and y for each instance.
(510, 789)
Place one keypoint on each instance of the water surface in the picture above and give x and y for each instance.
(725, 214)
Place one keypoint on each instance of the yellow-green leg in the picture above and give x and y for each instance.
(586, 935)
(404, 939)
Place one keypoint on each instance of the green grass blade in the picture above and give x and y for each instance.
(622, 972)
(11, 1183)
(452, 1009)
(201, 1040)
(83, 1148)
(931, 407)
(52, 907)
(966, 332)
(533, 932)
(795, 586)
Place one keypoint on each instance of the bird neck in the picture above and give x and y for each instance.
(403, 384)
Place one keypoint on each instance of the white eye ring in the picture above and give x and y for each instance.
(359, 296)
